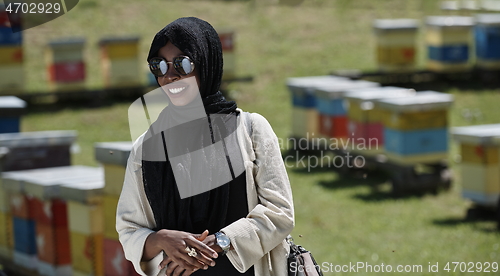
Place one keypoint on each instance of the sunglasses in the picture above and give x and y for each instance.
(182, 64)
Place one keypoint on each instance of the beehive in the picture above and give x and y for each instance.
(410, 137)
(42, 149)
(85, 222)
(395, 43)
(479, 167)
(11, 110)
(487, 41)
(448, 41)
(120, 61)
(365, 126)
(48, 213)
(66, 64)
(331, 107)
(305, 122)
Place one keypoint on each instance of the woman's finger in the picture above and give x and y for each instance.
(191, 261)
(178, 271)
(166, 260)
(202, 258)
(201, 237)
(201, 247)
(170, 268)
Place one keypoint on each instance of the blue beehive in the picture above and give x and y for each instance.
(410, 135)
(448, 42)
(487, 39)
(11, 109)
(24, 236)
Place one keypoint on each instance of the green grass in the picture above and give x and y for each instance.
(341, 220)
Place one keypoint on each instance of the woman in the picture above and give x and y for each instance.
(170, 221)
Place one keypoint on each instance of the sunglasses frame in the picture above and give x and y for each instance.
(177, 63)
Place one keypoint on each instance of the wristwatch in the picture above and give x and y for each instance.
(223, 242)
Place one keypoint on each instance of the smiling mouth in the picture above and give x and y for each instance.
(176, 90)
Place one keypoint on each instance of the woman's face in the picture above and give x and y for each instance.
(178, 89)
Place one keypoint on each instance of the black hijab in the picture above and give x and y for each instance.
(198, 40)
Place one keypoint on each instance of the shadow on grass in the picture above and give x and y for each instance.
(474, 216)
(377, 195)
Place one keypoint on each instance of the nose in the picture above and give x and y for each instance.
(171, 76)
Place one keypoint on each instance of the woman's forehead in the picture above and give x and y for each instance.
(169, 51)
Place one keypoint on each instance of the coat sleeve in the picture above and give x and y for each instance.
(272, 219)
(134, 218)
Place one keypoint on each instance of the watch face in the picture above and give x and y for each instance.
(223, 241)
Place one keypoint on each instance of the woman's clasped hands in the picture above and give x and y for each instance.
(185, 252)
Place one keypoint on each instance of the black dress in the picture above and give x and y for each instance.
(237, 208)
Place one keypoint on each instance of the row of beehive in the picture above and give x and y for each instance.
(408, 127)
(61, 220)
(67, 70)
(66, 67)
(448, 40)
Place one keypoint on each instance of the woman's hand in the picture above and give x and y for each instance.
(174, 244)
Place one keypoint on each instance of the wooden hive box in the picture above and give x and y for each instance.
(331, 108)
(66, 65)
(40, 149)
(479, 167)
(396, 44)
(424, 141)
(365, 127)
(487, 41)
(448, 41)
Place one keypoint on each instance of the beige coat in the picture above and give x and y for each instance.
(258, 239)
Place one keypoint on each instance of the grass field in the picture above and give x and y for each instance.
(341, 220)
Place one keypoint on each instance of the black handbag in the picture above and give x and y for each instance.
(300, 261)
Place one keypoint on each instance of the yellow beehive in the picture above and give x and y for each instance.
(120, 61)
(480, 166)
(109, 206)
(87, 254)
(396, 38)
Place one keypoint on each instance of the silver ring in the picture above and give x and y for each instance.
(191, 252)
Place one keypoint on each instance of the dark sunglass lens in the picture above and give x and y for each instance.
(183, 65)
(158, 67)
